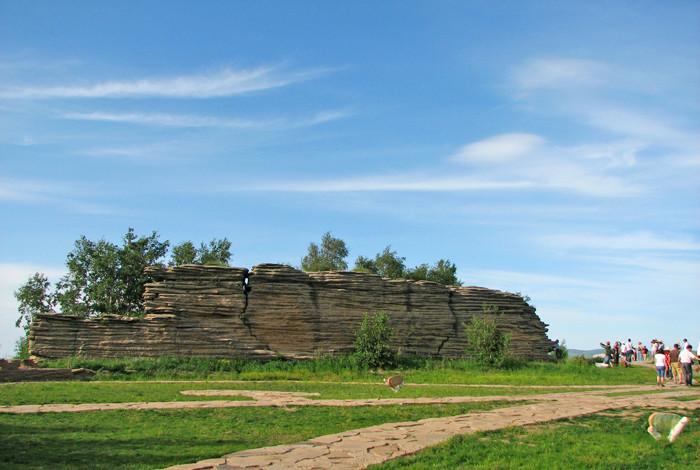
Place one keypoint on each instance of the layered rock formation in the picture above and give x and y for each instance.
(275, 310)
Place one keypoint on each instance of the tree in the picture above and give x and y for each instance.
(365, 265)
(443, 272)
(184, 253)
(105, 278)
(390, 264)
(372, 342)
(217, 252)
(33, 298)
(488, 345)
(330, 256)
(387, 264)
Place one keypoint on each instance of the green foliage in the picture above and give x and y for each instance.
(184, 253)
(390, 264)
(387, 264)
(102, 278)
(443, 272)
(22, 348)
(330, 256)
(488, 346)
(365, 265)
(372, 348)
(33, 298)
(216, 253)
(106, 278)
(346, 368)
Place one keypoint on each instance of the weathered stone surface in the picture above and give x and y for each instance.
(197, 310)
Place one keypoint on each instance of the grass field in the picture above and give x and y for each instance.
(156, 439)
(159, 438)
(614, 441)
(117, 392)
(343, 368)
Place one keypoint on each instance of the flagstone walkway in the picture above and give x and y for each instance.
(362, 447)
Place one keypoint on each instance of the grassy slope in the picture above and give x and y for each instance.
(596, 442)
(156, 439)
(343, 368)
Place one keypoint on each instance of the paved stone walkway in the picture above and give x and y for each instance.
(285, 399)
(362, 447)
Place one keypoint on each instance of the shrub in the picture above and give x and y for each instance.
(488, 346)
(372, 342)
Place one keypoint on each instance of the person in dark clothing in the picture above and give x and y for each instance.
(608, 353)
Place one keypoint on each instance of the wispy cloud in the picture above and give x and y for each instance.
(559, 72)
(499, 148)
(226, 82)
(384, 183)
(198, 121)
(492, 166)
(636, 241)
(24, 190)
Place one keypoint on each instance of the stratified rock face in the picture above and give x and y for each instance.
(197, 310)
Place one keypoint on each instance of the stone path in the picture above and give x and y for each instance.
(362, 447)
(284, 399)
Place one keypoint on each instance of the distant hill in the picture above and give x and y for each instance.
(585, 353)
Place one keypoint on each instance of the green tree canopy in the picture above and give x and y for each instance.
(106, 278)
(330, 256)
(33, 298)
(443, 272)
(184, 253)
(216, 252)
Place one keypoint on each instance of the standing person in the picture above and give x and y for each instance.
(616, 354)
(608, 353)
(660, 363)
(686, 357)
(676, 364)
(640, 347)
(654, 347)
(667, 362)
(645, 352)
(629, 350)
(684, 344)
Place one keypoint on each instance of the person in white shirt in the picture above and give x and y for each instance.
(660, 363)
(686, 357)
(684, 345)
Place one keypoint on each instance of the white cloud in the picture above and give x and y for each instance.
(552, 73)
(546, 168)
(499, 148)
(638, 241)
(195, 121)
(227, 82)
(22, 190)
(12, 276)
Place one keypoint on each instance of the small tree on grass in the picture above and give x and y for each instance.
(372, 342)
(488, 346)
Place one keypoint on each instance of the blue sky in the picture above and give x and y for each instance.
(550, 148)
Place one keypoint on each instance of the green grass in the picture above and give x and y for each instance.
(28, 393)
(596, 442)
(344, 368)
(156, 439)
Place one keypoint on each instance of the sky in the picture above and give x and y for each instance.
(548, 148)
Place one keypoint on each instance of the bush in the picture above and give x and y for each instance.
(372, 342)
(488, 346)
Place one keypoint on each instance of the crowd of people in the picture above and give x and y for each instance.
(673, 363)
